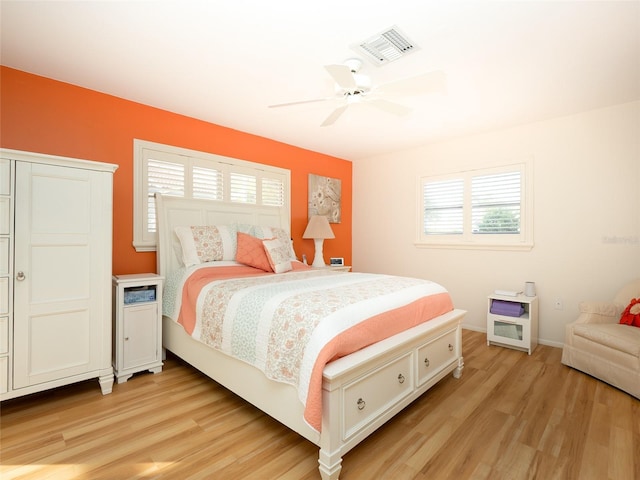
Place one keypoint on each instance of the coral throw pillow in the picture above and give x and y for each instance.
(631, 314)
(251, 252)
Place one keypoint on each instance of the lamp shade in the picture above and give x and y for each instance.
(318, 227)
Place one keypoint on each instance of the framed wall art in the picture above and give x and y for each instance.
(324, 197)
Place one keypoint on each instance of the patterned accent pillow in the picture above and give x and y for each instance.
(278, 255)
(206, 243)
(251, 252)
(279, 233)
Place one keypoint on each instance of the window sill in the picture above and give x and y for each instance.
(519, 247)
(144, 247)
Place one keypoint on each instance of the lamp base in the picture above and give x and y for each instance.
(318, 259)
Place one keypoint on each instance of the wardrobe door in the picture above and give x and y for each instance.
(59, 269)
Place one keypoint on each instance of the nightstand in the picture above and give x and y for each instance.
(137, 324)
(340, 268)
(513, 321)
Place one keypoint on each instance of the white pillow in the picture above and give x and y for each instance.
(207, 243)
(278, 255)
(276, 232)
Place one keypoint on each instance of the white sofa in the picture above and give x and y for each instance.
(597, 344)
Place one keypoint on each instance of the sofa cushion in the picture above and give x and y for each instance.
(619, 337)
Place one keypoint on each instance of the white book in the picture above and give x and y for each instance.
(507, 293)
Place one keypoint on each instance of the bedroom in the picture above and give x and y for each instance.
(586, 200)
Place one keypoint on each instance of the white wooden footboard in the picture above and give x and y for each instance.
(364, 390)
(361, 391)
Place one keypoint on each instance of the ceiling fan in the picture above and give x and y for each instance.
(352, 87)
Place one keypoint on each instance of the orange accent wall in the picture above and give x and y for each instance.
(42, 115)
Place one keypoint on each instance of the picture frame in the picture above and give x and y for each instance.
(325, 197)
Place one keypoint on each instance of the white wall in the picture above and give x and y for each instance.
(586, 214)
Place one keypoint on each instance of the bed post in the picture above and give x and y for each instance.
(330, 457)
(457, 373)
(328, 472)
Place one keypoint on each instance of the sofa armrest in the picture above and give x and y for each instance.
(598, 312)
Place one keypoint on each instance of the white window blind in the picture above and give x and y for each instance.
(162, 177)
(243, 188)
(208, 183)
(443, 207)
(495, 203)
(490, 207)
(273, 193)
(191, 174)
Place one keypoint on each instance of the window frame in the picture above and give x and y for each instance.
(145, 240)
(468, 239)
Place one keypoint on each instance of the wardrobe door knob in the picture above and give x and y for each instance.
(20, 276)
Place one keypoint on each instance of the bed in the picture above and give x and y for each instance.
(335, 402)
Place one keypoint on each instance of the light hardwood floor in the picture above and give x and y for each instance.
(510, 416)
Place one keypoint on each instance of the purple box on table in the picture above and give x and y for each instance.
(503, 307)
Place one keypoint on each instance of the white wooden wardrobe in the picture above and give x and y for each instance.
(55, 272)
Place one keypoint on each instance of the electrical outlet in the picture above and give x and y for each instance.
(558, 304)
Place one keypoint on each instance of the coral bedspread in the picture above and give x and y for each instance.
(290, 325)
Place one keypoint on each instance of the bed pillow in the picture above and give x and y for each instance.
(278, 255)
(251, 252)
(206, 243)
(279, 233)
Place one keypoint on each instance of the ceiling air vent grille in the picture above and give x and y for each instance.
(386, 46)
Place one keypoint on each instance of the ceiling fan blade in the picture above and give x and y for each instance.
(288, 104)
(389, 107)
(432, 82)
(331, 119)
(342, 76)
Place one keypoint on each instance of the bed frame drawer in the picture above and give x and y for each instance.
(369, 396)
(436, 355)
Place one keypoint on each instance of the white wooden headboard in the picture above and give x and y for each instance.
(172, 212)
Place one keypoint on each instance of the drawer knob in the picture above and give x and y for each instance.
(450, 348)
(361, 404)
(126, 339)
(400, 378)
(20, 276)
(426, 362)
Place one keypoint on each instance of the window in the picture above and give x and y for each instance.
(187, 173)
(489, 208)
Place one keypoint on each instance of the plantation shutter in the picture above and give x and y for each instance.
(162, 177)
(243, 188)
(272, 192)
(495, 203)
(208, 183)
(443, 207)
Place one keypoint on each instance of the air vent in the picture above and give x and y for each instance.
(386, 46)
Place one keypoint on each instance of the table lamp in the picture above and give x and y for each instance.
(318, 229)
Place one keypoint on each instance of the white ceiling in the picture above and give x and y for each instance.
(225, 61)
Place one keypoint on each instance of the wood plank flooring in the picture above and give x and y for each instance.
(510, 416)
